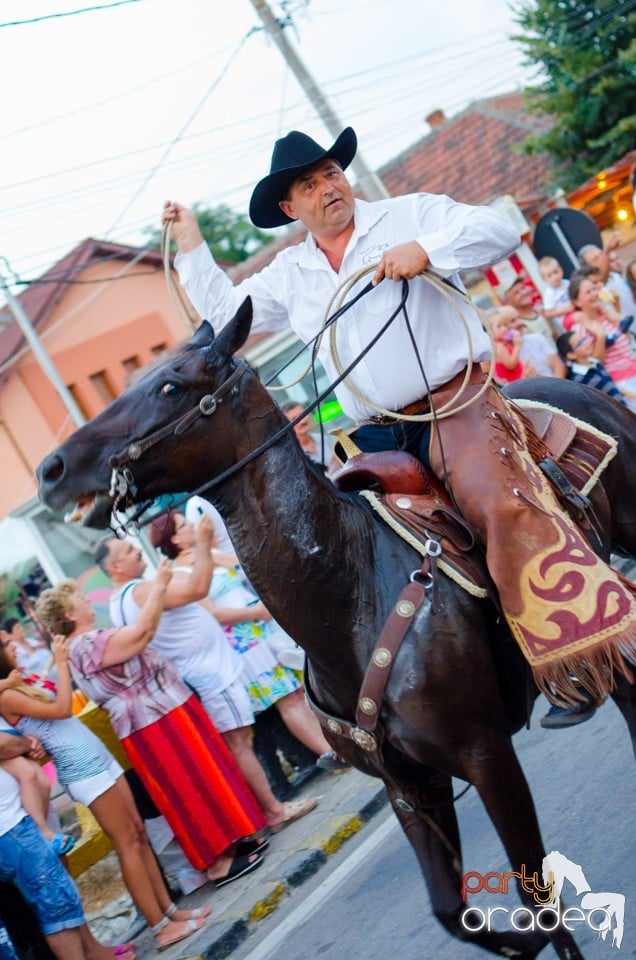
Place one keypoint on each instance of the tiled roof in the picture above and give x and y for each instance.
(472, 156)
(41, 297)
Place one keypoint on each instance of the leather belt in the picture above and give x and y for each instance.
(424, 404)
(418, 406)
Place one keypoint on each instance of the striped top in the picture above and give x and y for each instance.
(75, 750)
(595, 375)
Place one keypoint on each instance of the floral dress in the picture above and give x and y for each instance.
(265, 678)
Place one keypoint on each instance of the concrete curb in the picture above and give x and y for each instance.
(226, 933)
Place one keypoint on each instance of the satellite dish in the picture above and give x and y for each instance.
(561, 233)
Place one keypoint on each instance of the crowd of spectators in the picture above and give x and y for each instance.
(191, 658)
(596, 305)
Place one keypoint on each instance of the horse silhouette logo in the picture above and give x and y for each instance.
(611, 906)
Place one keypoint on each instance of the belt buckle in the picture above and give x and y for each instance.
(384, 421)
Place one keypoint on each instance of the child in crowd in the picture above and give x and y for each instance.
(35, 789)
(91, 776)
(507, 343)
(556, 295)
(27, 862)
(33, 655)
(594, 319)
(576, 352)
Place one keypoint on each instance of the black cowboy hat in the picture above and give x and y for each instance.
(293, 154)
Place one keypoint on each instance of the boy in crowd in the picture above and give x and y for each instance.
(556, 298)
(576, 353)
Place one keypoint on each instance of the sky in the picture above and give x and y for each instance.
(107, 113)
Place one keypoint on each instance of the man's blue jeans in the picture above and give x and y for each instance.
(412, 437)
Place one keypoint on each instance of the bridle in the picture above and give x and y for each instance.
(122, 481)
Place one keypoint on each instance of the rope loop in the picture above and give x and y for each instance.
(450, 407)
(176, 297)
(338, 298)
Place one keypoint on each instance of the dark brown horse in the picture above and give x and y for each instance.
(330, 574)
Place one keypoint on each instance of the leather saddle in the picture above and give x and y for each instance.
(418, 507)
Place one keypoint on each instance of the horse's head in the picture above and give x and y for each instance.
(149, 441)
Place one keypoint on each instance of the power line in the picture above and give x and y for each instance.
(351, 89)
(96, 104)
(64, 282)
(182, 130)
(333, 88)
(190, 165)
(68, 13)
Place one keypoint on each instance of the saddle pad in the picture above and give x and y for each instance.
(417, 518)
(582, 451)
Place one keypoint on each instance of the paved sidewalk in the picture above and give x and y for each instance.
(347, 802)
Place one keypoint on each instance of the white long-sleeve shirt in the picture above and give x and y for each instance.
(295, 289)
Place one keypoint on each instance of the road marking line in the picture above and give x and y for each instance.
(325, 890)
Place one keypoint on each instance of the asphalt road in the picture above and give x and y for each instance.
(370, 903)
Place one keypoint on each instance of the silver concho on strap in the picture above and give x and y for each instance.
(366, 741)
(404, 608)
(382, 657)
(367, 706)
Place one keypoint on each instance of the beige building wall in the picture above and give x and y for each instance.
(97, 335)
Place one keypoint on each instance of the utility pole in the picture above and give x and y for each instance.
(41, 355)
(368, 180)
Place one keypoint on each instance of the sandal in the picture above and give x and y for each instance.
(194, 913)
(251, 845)
(294, 810)
(61, 844)
(238, 868)
(191, 926)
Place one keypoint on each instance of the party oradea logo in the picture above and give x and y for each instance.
(602, 912)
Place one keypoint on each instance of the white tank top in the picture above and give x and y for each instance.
(190, 637)
(11, 809)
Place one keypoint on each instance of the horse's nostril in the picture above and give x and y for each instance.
(53, 469)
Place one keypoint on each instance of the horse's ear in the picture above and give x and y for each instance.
(203, 335)
(235, 333)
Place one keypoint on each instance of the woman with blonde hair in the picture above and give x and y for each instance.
(170, 741)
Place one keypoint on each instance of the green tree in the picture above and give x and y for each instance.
(230, 235)
(585, 54)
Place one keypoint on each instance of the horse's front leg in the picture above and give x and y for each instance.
(422, 800)
(502, 786)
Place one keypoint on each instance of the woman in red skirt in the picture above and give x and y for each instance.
(168, 737)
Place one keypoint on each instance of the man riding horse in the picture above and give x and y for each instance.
(420, 388)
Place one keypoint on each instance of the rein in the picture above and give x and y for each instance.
(122, 482)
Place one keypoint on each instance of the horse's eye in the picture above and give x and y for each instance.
(170, 390)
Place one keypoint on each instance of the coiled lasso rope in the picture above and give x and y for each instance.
(447, 409)
(337, 300)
